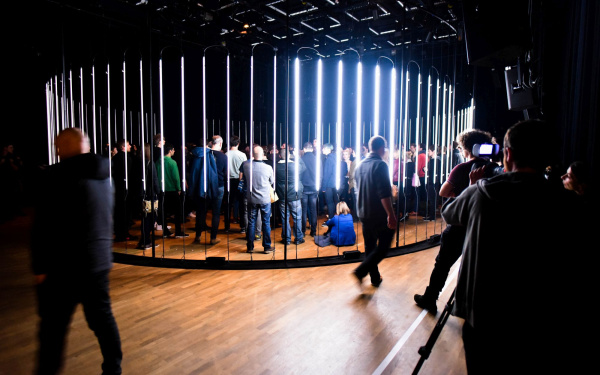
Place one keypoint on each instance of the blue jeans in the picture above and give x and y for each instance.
(295, 207)
(265, 212)
(309, 209)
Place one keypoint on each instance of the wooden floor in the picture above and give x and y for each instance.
(283, 321)
(232, 243)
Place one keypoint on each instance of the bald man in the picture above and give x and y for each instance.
(258, 176)
(77, 197)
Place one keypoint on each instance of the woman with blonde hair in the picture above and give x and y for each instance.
(340, 228)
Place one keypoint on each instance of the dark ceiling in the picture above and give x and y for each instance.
(328, 26)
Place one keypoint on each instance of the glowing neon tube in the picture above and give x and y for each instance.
(274, 109)
(338, 130)
(358, 148)
(204, 116)
(251, 118)
(376, 105)
(125, 120)
(319, 119)
(296, 113)
(142, 125)
(392, 123)
(162, 134)
(183, 174)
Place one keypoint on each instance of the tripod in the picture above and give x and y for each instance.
(425, 350)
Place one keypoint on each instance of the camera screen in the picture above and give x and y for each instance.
(486, 149)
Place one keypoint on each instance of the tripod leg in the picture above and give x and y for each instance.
(425, 350)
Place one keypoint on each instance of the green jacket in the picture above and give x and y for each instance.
(172, 182)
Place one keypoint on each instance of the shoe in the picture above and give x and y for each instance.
(196, 241)
(299, 241)
(426, 303)
(312, 234)
(286, 242)
(403, 218)
(214, 241)
(167, 233)
(359, 280)
(182, 235)
(144, 246)
(377, 283)
(191, 214)
(323, 225)
(257, 237)
(427, 218)
(250, 251)
(270, 249)
(242, 231)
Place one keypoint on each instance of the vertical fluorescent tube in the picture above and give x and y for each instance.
(108, 117)
(418, 120)
(204, 118)
(274, 109)
(471, 117)
(437, 124)
(142, 146)
(57, 111)
(251, 117)
(451, 128)
(376, 105)
(392, 123)
(400, 135)
(406, 115)
(319, 119)
(338, 128)
(228, 123)
(72, 100)
(183, 173)
(428, 123)
(81, 98)
(296, 113)
(125, 119)
(444, 142)
(162, 134)
(48, 124)
(94, 106)
(358, 148)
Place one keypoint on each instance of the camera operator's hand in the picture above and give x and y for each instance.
(478, 174)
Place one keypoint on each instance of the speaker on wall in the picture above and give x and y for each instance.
(519, 97)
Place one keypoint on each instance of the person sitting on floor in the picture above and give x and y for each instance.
(340, 228)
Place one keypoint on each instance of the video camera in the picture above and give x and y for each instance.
(490, 153)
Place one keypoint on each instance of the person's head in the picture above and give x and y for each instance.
(470, 138)
(577, 177)
(123, 146)
(258, 152)
(420, 146)
(529, 145)
(327, 148)
(283, 154)
(234, 142)
(364, 150)
(455, 145)
(147, 151)
(346, 155)
(308, 147)
(217, 143)
(413, 147)
(377, 145)
(169, 149)
(159, 140)
(342, 208)
(431, 151)
(71, 142)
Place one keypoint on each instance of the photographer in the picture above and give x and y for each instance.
(510, 261)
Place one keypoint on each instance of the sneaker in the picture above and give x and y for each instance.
(257, 237)
(182, 235)
(323, 225)
(269, 249)
(191, 214)
(214, 241)
(426, 303)
(167, 233)
(196, 241)
(377, 283)
(299, 241)
(427, 218)
(144, 246)
(242, 231)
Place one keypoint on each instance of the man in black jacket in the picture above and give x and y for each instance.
(289, 192)
(309, 194)
(77, 195)
(375, 210)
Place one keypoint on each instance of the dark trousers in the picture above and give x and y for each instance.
(233, 200)
(121, 215)
(309, 210)
(202, 207)
(378, 238)
(432, 199)
(147, 224)
(58, 297)
(173, 207)
(451, 245)
(331, 195)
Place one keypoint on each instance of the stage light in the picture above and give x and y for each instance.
(162, 132)
(338, 129)
(392, 122)
(94, 106)
(358, 148)
(376, 105)
(319, 116)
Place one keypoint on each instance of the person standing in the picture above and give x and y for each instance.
(375, 210)
(77, 195)
(309, 193)
(235, 158)
(125, 177)
(433, 182)
(172, 193)
(258, 177)
(286, 188)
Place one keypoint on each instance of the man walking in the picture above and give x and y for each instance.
(375, 210)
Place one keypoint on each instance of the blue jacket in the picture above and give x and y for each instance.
(328, 180)
(196, 184)
(342, 230)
